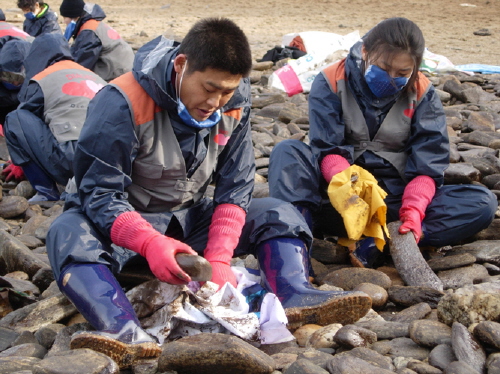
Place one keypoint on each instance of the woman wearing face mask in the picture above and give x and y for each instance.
(39, 18)
(375, 110)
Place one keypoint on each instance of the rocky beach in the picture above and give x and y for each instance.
(450, 326)
(412, 328)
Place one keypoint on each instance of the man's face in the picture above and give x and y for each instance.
(204, 92)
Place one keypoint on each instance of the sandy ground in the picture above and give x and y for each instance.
(448, 25)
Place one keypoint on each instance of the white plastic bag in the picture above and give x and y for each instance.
(323, 49)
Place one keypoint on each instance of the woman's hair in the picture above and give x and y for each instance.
(217, 43)
(24, 4)
(393, 36)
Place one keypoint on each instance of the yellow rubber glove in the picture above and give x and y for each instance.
(356, 195)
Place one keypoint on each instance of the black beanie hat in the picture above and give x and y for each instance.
(72, 8)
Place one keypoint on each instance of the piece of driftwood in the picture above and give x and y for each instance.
(409, 261)
(198, 268)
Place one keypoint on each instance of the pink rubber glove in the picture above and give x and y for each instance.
(132, 231)
(13, 172)
(417, 196)
(223, 237)
(333, 164)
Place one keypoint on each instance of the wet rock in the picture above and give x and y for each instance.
(393, 275)
(460, 277)
(372, 357)
(488, 332)
(471, 304)
(63, 337)
(284, 360)
(304, 367)
(13, 206)
(491, 180)
(303, 333)
(441, 356)
(17, 256)
(385, 329)
(348, 364)
(29, 228)
(459, 367)
(493, 363)
(82, 361)
(422, 367)
(429, 333)
(482, 250)
(209, 353)
(454, 87)
(263, 65)
(407, 296)
(410, 314)
(466, 348)
(25, 337)
(23, 189)
(290, 112)
(349, 278)
(9, 365)
(451, 262)
(328, 252)
(492, 232)
(262, 138)
(406, 347)
(270, 111)
(316, 357)
(43, 278)
(7, 337)
(30, 241)
(323, 337)
(409, 261)
(20, 285)
(477, 121)
(461, 173)
(25, 350)
(378, 294)
(352, 336)
(46, 335)
(42, 313)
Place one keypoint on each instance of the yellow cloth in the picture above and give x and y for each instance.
(358, 198)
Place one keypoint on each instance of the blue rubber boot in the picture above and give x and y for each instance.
(308, 217)
(307, 214)
(365, 254)
(98, 296)
(45, 187)
(284, 272)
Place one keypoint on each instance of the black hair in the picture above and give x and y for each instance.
(23, 4)
(393, 36)
(217, 43)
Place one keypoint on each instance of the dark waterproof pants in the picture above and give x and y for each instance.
(455, 213)
(29, 139)
(73, 238)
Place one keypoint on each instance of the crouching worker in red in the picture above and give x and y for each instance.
(42, 132)
(153, 140)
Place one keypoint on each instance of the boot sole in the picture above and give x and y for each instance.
(123, 354)
(343, 309)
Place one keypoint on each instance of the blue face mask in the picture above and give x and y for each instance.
(70, 29)
(190, 121)
(381, 83)
(30, 15)
(11, 87)
(188, 118)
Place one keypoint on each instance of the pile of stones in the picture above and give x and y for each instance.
(409, 330)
